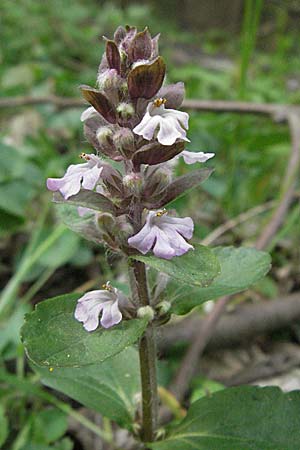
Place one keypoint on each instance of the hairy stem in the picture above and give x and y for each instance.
(147, 353)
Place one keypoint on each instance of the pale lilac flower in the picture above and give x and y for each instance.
(193, 157)
(90, 306)
(167, 125)
(190, 157)
(108, 79)
(164, 235)
(77, 175)
(88, 113)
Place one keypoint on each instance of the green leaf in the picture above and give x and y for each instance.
(87, 199)
(84, 226)
(204, 387)
(49, 425)
(9, 223)
(62, 250)
(242, 418)
(52, 337)
(63, 444)
(16, 166)
(10, 330)
(240, 268)
(109, 388)
(197, 267)
(15, 197)
(3, 426)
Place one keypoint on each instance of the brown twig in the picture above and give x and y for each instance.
(289, 185)
(190, 361)
(27, 100)
(237, 327)
(278, 111)
(282, 359)
(189, 364)
(232, 223)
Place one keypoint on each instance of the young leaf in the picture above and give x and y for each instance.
(113, 56)
(100, 102)
(53, 337)
(141, 46)
(240, 268)
(197, 267)
(85, 226)
(49, 425)
(181, 185)
(155, 153)
(146, 79)
(241, 418)
(109, 388)
(87, 199)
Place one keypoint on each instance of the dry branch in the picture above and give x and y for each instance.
(242, 325)
(26, 100)
(279, 112)
(188, 367)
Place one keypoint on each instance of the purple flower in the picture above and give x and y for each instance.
(89, 307)
(193, 157)
(164, 235)
(167, 125)
(86, 174)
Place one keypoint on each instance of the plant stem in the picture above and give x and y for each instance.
(147, 353)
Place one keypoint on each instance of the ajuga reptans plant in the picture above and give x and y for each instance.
(120, 195)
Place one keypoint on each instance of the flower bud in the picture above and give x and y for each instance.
(104, 136)
(119, 34)
(109, 79)
(123, 89)
(107, 225)
(141, 46)
(157, 179)
(125, 110)
(125, 229)
(106, 222)
(146, 312)
(133, 182)
(163, 310)
(124, 142)
(163, 307)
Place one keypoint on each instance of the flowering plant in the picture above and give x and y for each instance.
(120, 197)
